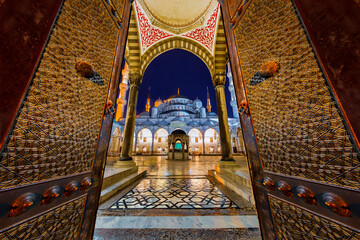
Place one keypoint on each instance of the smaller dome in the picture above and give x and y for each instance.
(193, 123)
(122, 122)
(211, 114)
(158, 102)
(197, 103)
(144, 115)
(163, 123)
(209, 123)
(147, 123)
(178, 118)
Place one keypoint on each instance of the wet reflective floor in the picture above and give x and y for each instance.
(175, 185)
(196, 166)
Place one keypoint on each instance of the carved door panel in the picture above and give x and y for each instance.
(53, 158)
(303, 156)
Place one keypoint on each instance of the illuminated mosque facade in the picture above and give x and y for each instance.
(178, 112)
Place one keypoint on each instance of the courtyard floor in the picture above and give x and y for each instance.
(176, 201)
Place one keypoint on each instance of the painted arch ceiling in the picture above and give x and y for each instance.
(163, 19)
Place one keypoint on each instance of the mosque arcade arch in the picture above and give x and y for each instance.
(144, 141)
(196, 145)
(161, 141)
(211, 141)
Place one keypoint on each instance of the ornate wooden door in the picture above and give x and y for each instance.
(298, 123)
(63, 65)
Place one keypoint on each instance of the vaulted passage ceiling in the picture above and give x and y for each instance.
(178, 13)
(157, 26)
(161, 19)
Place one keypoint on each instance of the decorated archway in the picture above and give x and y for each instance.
(177, 43)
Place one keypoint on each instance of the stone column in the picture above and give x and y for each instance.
(168, 152)
(173, 150)
(152, 143)
(225, 141)
(136, 142)
(241, 143)
(117, 145)
(203, 138)
(126, 151)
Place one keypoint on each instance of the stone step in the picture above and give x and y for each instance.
(114, 175)
(177, 227)
(237, 183)
(177, 234)
(112, 190)
(177, 222)
(240, 176)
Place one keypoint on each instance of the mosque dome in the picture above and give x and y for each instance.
(197, 103)
(177, 105)
(193, 123)
(122, 122)
(211, 114)
(163, 123)
(209, 123)
(179, 99)
(144, 115)
(178, 118)
(177, 96)
(158, 102)
(148, 123)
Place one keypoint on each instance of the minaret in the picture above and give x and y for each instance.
(123, 87)
(178, 91)
(233, 102)
(208, 105)
(148, 102)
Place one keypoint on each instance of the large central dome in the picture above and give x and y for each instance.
(178, 105)
(177, 96)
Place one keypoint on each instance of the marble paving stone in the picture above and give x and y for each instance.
(174, 193)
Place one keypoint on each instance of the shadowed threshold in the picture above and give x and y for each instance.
(177, 234)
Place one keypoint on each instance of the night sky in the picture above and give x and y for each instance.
(178, 69)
